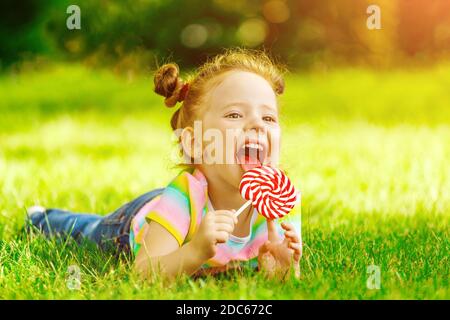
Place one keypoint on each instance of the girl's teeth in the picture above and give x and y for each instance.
(254, 145)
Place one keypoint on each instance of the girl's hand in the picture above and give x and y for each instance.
(215, 228)
(276, 256)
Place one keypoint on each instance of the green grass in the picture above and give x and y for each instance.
(369, 151)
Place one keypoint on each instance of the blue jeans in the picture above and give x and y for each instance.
(108, 232)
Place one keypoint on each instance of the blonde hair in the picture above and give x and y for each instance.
(191, 92)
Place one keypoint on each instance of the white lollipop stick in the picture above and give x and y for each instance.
(241, 209)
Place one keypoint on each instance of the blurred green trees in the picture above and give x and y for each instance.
(302, 33)
(22, 29)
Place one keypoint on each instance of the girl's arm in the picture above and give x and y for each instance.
(161, 252)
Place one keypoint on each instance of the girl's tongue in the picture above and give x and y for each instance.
(248, 159)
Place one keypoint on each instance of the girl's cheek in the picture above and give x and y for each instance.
(215, 152)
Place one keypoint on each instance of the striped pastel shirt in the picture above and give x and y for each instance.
(180, 209)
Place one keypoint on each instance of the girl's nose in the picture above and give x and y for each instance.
(256, 123)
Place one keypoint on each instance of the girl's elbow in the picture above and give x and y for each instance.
(140, 268)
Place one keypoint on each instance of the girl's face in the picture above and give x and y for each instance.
(240, 127)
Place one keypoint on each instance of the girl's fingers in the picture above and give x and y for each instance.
(287, 226)
(292, 235)
(224, 219)
(226, 213)
(286, 246)
(297, 271)
(225, 227)
(297, 256)
(222, 236)
(297, 247)
(272, 230)
(290, 231)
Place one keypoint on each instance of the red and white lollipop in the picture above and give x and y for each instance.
(269, 190)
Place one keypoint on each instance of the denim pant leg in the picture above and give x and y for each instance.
(109, 232)
(113, 231)
(66, 223)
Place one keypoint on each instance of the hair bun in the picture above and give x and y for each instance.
(168, 84)
(279, 85)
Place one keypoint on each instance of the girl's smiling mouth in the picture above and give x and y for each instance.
(251, 154)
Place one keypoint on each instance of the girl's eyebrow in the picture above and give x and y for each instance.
(245, 104)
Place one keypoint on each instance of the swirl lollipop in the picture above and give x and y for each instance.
(269, 190)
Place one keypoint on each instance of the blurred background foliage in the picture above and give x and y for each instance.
(133, 35)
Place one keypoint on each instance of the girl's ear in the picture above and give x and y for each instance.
(192, 148)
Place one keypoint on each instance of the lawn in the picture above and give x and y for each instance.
(369, 150)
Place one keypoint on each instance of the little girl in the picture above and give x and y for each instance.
(190, 226)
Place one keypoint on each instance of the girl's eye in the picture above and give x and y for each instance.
(269, 118)
(233, 115)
